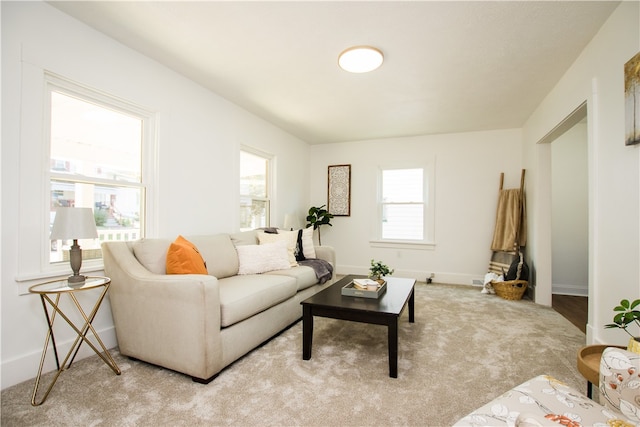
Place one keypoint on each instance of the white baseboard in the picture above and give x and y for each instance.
(421, 275)
(573, 290)
(25, 367)
(591, 335)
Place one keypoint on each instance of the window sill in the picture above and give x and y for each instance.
(27, 280)
(402, 244)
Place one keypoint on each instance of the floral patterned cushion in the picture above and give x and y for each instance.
(543, 401)
(620, 382)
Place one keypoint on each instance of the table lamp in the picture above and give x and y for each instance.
(291, 222)
(74, 223)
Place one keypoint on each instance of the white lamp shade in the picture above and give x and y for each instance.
(74, 223)
(291, 221)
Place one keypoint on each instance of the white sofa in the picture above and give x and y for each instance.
(545, 401)
(198, 324)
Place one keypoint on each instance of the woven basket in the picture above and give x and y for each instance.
(511, 289)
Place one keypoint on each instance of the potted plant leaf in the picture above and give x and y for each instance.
(627, 314)
(317, 217)
(378, 270)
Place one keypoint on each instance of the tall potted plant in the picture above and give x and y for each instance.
(627, 314)
(317, 217)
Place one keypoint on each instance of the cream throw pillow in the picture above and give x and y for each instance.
(289, 237)
(256, 259)
(308, 249)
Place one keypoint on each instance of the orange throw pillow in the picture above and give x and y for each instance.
(183, 258)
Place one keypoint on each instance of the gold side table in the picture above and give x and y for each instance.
(50, 294)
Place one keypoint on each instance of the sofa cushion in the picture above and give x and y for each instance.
(305, 276)
(290, 237)
(183, 257)
(256, 259)
(152, 254)
(244, 238)
(243, 296)
(219, 253)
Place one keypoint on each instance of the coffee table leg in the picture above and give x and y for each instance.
(411, 304)
(307, 332)
(393, 348)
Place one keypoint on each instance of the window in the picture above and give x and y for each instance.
(95, 160)
(405, 206)
(402, 204)
(254, 190)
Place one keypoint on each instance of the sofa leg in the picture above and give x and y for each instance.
(203, 381)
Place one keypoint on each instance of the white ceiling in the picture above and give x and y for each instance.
(450, 66)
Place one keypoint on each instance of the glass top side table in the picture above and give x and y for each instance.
(50, 294)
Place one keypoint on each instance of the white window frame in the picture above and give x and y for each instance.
(428, 239)
(269, 184)
(35, 175)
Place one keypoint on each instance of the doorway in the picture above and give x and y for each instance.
(570, 219)
(573, 308)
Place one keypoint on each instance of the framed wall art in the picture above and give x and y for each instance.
(339, 190)
(632, 100)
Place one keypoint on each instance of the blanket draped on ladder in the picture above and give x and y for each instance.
(511, 221)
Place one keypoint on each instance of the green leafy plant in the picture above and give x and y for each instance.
(626, 315)
(101, 217)
(319, 216)
(378, 269)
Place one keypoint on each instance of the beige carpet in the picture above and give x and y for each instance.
(464, 349)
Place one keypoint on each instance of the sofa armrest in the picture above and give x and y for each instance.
(326, 253)
(168, 320)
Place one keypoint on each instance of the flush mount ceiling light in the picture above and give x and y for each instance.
(360, 59)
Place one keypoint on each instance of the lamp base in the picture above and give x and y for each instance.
(76, 279)
(75, 258)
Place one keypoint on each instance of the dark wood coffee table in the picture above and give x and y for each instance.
(381, 311)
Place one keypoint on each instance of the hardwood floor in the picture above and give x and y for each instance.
(573, 308)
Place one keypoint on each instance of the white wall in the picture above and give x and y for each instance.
(597, 76)
(198, 138)
(570, 209)
(467, 181)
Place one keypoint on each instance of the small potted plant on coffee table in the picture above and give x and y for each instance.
(378, 270)
(626, 315)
